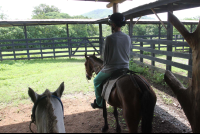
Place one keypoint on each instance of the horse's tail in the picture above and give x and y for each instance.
(148, 104)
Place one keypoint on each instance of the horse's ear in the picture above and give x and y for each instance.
(86, 56)
(94, 54)
(60, 90)
(33, 95)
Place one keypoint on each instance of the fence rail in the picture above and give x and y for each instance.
(48, 48)
(152, 53)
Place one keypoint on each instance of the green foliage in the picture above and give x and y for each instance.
(2, 15)
(43, 8)
(156, 77)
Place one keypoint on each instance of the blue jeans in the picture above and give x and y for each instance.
(101, 77)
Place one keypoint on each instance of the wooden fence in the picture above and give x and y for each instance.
(148, 49)
(48, 48)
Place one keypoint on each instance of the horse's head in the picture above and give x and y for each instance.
(48, 111)
(88, 67)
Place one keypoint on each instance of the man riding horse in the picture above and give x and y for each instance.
(116, 55)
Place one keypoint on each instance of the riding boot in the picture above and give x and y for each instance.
(94, 105)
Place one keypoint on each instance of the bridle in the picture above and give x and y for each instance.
(95, 70)
(34, 108)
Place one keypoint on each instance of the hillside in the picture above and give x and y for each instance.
(99, 13)
(103, 13)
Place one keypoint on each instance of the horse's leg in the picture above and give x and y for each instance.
(118, 128)
(132, 115)
(105, 127)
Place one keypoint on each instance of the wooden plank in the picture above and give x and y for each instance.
(173, 54)
(165, 42)
(167, 62)
(14, 51)
(87, 41)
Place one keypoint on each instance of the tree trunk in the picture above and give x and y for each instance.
(188, 98)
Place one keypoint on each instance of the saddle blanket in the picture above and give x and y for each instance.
(107, 88)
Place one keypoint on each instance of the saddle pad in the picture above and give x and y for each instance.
(107, 88)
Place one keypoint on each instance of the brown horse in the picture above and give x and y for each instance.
(136, 103)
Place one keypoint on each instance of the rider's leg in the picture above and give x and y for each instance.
(101, 77)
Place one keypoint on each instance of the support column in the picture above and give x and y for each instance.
(101, 44)
(69, 40)
(25, 34)
(115, 8)
(169, 35)
(159, 35)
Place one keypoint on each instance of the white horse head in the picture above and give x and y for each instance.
(47, 112)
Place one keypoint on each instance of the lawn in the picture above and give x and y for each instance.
(17, 76)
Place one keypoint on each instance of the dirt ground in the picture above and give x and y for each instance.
(81, 118)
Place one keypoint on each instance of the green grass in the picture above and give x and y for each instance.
(17, 76)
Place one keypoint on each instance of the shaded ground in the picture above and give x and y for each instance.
(81, 118)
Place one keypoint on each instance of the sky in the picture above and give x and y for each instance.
(22, 9)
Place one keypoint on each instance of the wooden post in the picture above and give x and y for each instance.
(69, 40)
(101, 41)
(131, 32)
(41, 50)
(169, 35)
(14, 51)
(141, 51)
(131, 27)
(54, 53)
(25, 33)
(115, 8)
(159, 35)
(1, 54)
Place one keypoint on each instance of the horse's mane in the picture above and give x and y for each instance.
(51, 118)
(96, 59)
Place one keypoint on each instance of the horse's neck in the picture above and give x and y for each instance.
(50, 120)
(97, 64)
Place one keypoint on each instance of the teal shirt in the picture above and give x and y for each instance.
(117, 52)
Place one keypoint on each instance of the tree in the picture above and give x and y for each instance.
(2, 15)
(43, 8)
(189, 98)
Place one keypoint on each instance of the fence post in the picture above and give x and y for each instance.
(85, 44)
(1, 54)
(141, 51)
(69, 41)
(169, 36)
(153, 54)
(25, 33)
(41, 50)
(54, 53)
(14, 51)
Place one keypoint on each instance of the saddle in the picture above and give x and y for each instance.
(109, 84)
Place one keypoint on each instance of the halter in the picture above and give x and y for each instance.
(35, 105)
(95, 69)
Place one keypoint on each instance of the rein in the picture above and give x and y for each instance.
(34, 108)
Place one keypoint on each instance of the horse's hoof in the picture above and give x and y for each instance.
(118, 129)
(104, 129)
